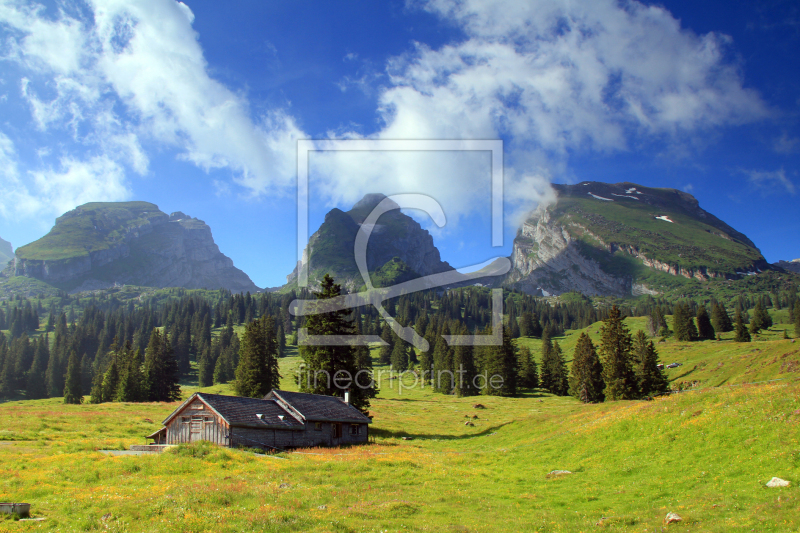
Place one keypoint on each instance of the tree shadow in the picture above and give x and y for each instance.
(389, 434)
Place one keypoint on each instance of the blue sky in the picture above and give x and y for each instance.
(197, 107)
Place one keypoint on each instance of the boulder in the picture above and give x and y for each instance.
(778, 482)
(672, 518)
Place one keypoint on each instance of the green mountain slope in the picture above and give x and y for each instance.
(398, 248)
(99, 245)
(623, 239)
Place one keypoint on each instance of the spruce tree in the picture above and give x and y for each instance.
(586, 377)
(797, 322)
(464, 367)
(546, 379)
(160, 370)
(500, 365)
(37, 388)
(111, 380)
(742, 335)
(528, 371)
(319, 375)
(399, 359)
(443, 376)
(385, 353)
(615, 355)
(205, 368)
(558, 371)
(683, 323)
(73, 390)
(720, 319)
(256, 373)
(651, 379)
(705, 331)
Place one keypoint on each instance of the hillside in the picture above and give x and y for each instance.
(398, 249)
(624, 239)
(98, 245)
(6, 253)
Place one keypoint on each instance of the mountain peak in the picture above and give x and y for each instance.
(369, 202)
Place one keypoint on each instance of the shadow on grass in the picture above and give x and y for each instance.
(388, 434)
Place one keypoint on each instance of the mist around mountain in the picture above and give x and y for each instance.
(100, 245)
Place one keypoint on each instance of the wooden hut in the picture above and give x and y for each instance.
(279, 420)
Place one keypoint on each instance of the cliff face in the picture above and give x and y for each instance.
(546, 260)
(603, 239)
(98, 245)
(396, 235)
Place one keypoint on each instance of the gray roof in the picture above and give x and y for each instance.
(316, 407)
(295, 407)
(238, 410)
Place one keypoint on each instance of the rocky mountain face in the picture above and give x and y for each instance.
(6, 253)
(395, 236)
(98, 245)
(614, 239)
(789, 266)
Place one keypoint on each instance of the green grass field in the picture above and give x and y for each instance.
(704, 454)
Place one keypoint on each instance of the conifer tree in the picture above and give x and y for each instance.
(385, 352)
(73, 390)
(500, 365)
(528, 370)
(683, 323)
(205, 368)
(110, 380)
(129, 385)
(37, 388)
(742, 335)
(720, 319)
(161, 370)
(651, 379)
(399, 360)
(615, 355)
(558, 371)
(705, 331)
(546, 379)
(586, 377)
(443, 376)
(256, 373)
(325, 361)
(464, 367)
(761, 319)
(797, 322)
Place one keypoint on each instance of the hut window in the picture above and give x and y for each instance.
(207, 419)
(185, 419)
(318, 426)
(354, 429)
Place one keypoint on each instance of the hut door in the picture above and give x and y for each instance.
(196, 431)
(336, 430)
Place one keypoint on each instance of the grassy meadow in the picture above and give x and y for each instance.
(704, 454)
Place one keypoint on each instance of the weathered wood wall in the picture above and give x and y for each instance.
(195, 423)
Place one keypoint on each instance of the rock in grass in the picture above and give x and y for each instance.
(284, 486)
(322, 507)
(778, 482)
(672, 517)
(557, 473)
(479, 406)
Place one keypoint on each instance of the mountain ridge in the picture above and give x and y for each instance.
(102, 244)
(597, 238)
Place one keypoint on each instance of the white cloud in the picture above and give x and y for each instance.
(551, 78)
(146, 56)
(774, 181)
(54, 191)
